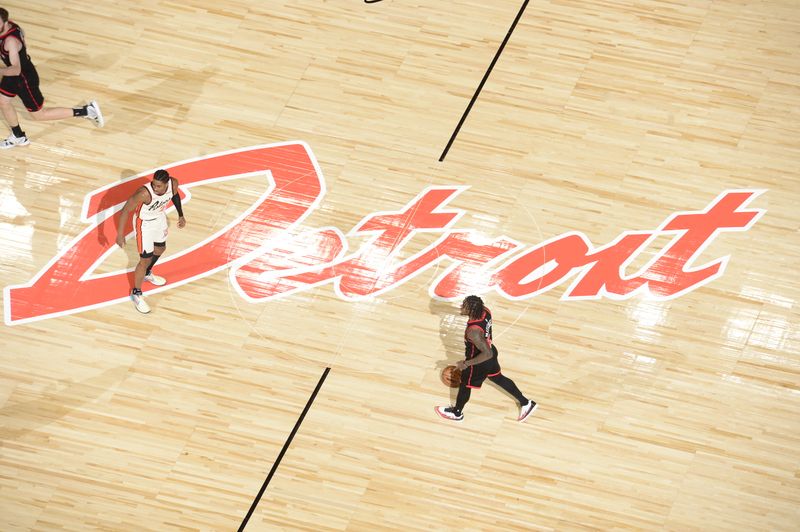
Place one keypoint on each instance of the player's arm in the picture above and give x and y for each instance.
(176, 200)
(141, 196)
(475, 335)
(13, 46)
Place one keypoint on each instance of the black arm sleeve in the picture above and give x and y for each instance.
(176, 200)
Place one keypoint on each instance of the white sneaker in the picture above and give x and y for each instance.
(13, 141)
(94, 114)
(140, 303)
(155, 279)
(526, 410)
(449, 412)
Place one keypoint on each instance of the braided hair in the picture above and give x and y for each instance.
(474, 306)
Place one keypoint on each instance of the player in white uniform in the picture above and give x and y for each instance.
(150, 224)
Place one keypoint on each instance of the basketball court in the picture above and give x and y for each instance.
(619, 181)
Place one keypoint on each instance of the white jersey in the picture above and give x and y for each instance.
(155, 209)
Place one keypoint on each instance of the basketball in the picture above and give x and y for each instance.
(451, 376)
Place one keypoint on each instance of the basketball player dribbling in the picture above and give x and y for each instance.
(150, 223)
(19, 78)
(480, 363)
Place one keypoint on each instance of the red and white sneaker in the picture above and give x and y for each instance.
(526, 410)
(449, 412)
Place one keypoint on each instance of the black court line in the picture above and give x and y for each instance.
(483, 81)
(283, 451)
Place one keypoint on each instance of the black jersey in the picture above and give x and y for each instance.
(24, 59)
(484, 323)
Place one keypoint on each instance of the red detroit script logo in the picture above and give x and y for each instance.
(268, 259)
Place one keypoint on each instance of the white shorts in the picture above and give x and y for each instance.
(148, 232)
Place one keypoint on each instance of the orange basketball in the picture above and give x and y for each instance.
(451, 376)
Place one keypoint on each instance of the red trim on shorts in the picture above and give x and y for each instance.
(494, 374)
(10, 95)
(30, 93)
(469, 379)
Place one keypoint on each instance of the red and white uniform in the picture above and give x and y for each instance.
(150, 222)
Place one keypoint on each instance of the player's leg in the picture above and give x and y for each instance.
(526, 406)
(138, 276)
(149, 276)
(471, 377)
(52, 113)
(509, 386)
(160, 229)
(145, 244)
(141, 268)
(34, 102)
(462, 398)
(17, 137)
(495, 376)
(90, 112)
(454, 413)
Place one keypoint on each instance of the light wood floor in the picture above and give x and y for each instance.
(599, 118)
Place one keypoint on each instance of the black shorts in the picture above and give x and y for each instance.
(26, 86)
(473, 376)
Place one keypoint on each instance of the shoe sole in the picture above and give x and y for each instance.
(522, 420)
(154, 283)
(15, 146)
(436, 409)
(147, 311)
(99, 121)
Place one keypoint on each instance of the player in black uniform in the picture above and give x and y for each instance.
(21, 79)
(480, 362)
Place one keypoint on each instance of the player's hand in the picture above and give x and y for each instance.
(121, 241)
(181, 222)
(461, 365)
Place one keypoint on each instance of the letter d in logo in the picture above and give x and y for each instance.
(293, 186)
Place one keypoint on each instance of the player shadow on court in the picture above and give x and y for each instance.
(68, 67)
(167, 102)
(135, 112)
(55, 402)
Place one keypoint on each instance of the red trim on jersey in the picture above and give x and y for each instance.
(6, 35)
(139, 244)
(483, 317)
(13, 27)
